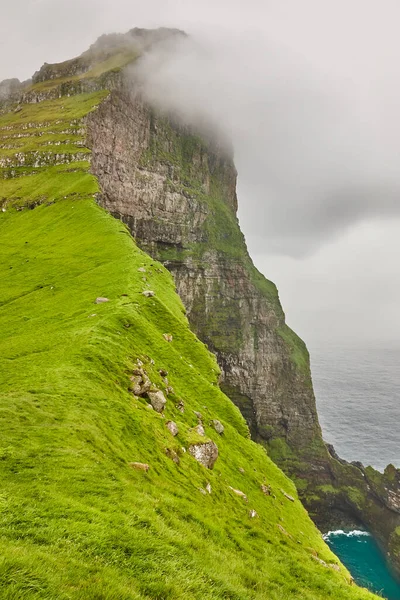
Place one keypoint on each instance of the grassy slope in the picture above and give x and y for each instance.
(76, 521)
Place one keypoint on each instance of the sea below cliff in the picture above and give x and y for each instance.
(358, 400)
(358, 393)
(362, 556)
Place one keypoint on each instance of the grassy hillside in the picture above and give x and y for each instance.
(76, 520)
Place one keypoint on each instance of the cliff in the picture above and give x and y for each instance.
(71, 367)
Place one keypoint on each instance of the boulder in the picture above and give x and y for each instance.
(172, 427)
(199, 429)
(157, 400)
(181, 406)
(266, 489)
(239, 493)
(219, 428)
(172, 454)
(139, 466)
(287, 496)
(205, 453)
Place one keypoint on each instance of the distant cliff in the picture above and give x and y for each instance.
(175, 188)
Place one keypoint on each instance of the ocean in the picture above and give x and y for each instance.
(358, 400)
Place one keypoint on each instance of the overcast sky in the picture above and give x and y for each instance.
(309, 92)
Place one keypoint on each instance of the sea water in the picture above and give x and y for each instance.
(358, 400)
(363, 558)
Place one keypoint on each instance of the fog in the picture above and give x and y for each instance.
(309, 93)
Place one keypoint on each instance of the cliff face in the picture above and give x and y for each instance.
(177, 193)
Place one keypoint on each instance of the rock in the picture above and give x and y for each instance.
(172, 454)
(163, 372)
(172, 427)
(157, 400)
(266, 489)
(219, 428)
(241, 470)
(252, 513)
(208, 488)
(198, 415)
(167, 337)
(139, 466)
(287, 496)
(181, 406)
(169, 390)
(199, 429)
(142, 270)
(203, 491)
(205, 453)
(283, 530)
(239, 493)
(145, 386)
(101, 300)
(148, 293)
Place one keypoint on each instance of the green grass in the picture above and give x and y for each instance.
(76, 520)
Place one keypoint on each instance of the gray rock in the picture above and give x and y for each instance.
(139, 466)
(148, 293)
(172, 427)
(168, 337)
(205, 453)
(219, 428)
(101, 300)
(173, 455)
(239, 493)
(266, 489)
(181, 406)
(252, 513)
(287, 496)
(208, 487)
(157, 400)
(199, 429)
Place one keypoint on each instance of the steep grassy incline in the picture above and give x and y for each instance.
(77, 520)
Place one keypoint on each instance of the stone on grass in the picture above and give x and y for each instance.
(101, 300)
(241, 470)
(219, 428)
(266, 489)
(205, 453)
(239, 493)
(173, 455)
(181, 406)
(199, 429)
(163, 372)
(252, 513)
(287, 496)
(168, 337)
(157, 400)
(198, 415)
(172, 427)
(142, 270)
(148, 293)
(208, 487)
(139, 466)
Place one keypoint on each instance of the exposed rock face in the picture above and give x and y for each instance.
(177, 193)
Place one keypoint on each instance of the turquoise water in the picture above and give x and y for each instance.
(361, 555)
